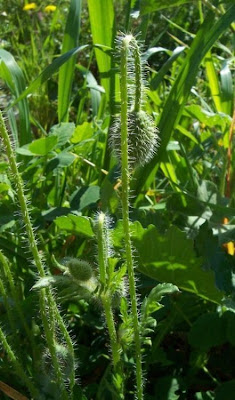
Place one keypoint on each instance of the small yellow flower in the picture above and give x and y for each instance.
(30, 6)
(50, 8)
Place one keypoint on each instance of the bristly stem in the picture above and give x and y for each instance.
(18, 368)
(103, 249)
(138, 76)
(125, 45)
(9, 277)
(46, 299)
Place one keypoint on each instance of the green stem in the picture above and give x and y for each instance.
(138, 77)
(9, 277)
(18, 368)
(102, 238)
(125, 209)
(45, 300)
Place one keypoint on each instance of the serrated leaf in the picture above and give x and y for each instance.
(76, 224)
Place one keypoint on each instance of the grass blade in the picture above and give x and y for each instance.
(213, 81)
(48, 72)
(208, 33)
(148, 6)
(11, 73)
(103, 32)
(67, 70)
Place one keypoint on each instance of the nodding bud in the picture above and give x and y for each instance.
(142, 138)
(79, 269)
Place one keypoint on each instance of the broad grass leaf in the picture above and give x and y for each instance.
(165, 68)
(95, 89)
(48, 72)
(227, 89)
(66, 73)
(11, 73)
(75, 224)
(207, 35)
(102, 20)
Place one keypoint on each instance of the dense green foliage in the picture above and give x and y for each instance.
(67, 207)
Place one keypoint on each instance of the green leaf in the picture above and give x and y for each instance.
(166, 388)
(207, 35)
(66, 73)
(151, 303)
(171, 258)
(14, 78)
(76, 224)
(43, 146)
(165, 68)
(39, 147)
(63, 131)
(95, 89)
(62, 160)
(214, 258)
(208, 331)
(84, 197)
(208, 118)
(82, 132)
(227, 89)
(148, 6)
(102, 22)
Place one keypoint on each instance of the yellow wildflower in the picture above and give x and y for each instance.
(50, 8)
(30, 6)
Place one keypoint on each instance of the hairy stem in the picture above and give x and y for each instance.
(46, 300)
(9, 277)
(138, 76)
(17, 366)
(102, 238)
(125, 209)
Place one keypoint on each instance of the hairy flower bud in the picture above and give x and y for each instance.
(79, 269)
(142, 138)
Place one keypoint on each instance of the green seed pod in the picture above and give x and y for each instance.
(79, 269)
(142, 138)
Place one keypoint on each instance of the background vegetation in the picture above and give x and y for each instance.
(60, 92)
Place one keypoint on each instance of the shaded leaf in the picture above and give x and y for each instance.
(75, 224)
